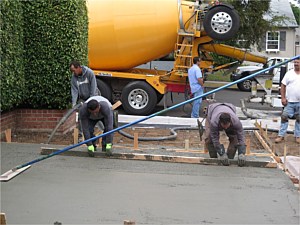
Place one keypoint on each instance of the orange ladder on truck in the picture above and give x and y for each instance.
(185, 42)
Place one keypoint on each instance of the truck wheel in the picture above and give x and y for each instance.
(138, 98)
(244, 85)
(104, 89)
(159, 97)
(221, 23)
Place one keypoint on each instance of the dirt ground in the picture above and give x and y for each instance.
(185, 139)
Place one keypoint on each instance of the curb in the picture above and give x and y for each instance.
(216, 84)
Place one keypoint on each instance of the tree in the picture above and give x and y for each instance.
(296, 11)
(253, 25)
(256, 18)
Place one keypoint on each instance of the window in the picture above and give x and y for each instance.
(272, 41)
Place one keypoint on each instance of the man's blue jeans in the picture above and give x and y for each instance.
(196, 104)
(290, 110)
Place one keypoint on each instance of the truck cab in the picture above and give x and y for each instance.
(244, 71)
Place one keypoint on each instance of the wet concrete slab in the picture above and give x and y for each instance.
(82, 190)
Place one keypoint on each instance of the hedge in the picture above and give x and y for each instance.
(11, 51)
(56, 33)
(38, 41)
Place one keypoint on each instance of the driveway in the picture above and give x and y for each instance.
(79, 190)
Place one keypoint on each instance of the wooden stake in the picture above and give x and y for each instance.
(2, 219)
(205, 150)
(135, 140)
(75, 136)
(284, 157)
(186, 144)
(248, 143)
(260, 128)
(129, 222)
(8, 135)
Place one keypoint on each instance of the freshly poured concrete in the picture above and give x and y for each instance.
(79, 190)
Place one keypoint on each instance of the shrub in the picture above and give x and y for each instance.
(55, 33)
(11, 51)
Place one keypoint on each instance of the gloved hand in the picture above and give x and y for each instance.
(91, 150)
(224, 159)
(241, 155)
(241, 160)
(108, 149)
(220, 149)
(222, 155)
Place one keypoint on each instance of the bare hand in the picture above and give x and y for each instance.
(284, 101)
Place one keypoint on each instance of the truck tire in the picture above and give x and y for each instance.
(221, 23)
(159, 97)
(138, 98)
(244, 85)
(105, 89)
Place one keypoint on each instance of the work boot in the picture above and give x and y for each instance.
(279, 139)
(95, 147)
(298, 140)
(109, 149)
(91, 150)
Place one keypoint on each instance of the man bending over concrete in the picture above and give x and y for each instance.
(222, 116)
(96, 109)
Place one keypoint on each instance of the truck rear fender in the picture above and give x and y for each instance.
(223, 4)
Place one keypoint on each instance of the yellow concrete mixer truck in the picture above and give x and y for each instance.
(126, 34)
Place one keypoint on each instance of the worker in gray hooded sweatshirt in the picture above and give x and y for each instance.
(219, 117)
(83, 83)
(83, 86)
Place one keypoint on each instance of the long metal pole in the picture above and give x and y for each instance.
(153, 115)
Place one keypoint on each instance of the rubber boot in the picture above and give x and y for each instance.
(232, 147)
(211, 150)
(231, 150)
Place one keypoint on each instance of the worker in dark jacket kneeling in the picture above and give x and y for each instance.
(97, 108)
(222, 116)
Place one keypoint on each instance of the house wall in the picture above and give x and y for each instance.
(290, 46)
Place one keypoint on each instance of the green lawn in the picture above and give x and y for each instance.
(219, 76)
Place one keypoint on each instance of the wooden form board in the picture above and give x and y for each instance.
(160, 158)
(2, 219)
(116, 105)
